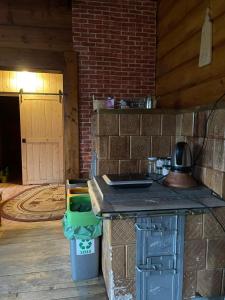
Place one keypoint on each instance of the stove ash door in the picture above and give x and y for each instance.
(159, 258)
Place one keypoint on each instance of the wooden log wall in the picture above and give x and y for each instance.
(37, 36)
(180, 82)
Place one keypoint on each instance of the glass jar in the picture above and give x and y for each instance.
(159, 165)
(166, 166)
(152, 165)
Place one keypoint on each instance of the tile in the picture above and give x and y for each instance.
(195, 144)
(200, 122)
(212, 228)
(161, 146)
(130, 260)
(140, 147)
(215, 180)
(102, 147)
(168, 124)
(119, 147)
(216, 124)
(219, 154)
(193, 227)
(179, 119)
(129, 124)
(194, 255)
(118, 262)
(123, 232)
(187, 124)
(189, 284)
(107, 124)
(215, 255)
(209, 282)
(124, 289)
(180, 138)
(206, 157)
(173, 143)
(128, 166)
(199, 173)
(151, 124)
(143, 166)
(107, 166)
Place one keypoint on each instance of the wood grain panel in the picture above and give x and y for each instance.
(189, 49)
(35, 38)
(190, 24)
(164, 7)
(23, 59)
(44, 137)
(71, 132)
(189, 74)
(42, 269)
(180, 82)
(175, 15)
(203, 93)
(40, 13)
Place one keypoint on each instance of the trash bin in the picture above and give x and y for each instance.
(83, 229)
(76, 186)
(72, 183)
(84, 255)
(77, 190)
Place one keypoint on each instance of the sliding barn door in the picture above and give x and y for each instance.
(41, 119)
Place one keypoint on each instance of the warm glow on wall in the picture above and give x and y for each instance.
(28, 81)
(31, 82)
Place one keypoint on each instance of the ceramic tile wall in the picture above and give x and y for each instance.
(124, 141)
(118, 258)
(204, 259)
(210, 161)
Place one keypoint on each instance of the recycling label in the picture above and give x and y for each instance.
(85, 247)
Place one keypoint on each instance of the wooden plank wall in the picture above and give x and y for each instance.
(180, 82)
(37, 36)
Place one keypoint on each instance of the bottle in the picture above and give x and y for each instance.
(110, 102)
(148, 102)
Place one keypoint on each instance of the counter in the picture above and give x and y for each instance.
(159, 212)
(157, 197)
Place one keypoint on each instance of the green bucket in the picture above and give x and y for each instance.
(79, 211)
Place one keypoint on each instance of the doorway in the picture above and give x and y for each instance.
(10, 140)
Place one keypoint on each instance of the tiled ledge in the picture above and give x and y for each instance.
(160, 110)
(136, 111)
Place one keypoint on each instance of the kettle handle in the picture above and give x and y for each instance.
(179, 152)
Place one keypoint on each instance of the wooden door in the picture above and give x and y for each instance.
(41, 119)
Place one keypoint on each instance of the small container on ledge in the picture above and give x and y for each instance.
(151, 165)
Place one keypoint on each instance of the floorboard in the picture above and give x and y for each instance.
(35, 264)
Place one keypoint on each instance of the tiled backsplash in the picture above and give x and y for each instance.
(210, 163)
(124, 140)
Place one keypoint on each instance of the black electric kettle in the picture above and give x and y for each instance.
(181, 160)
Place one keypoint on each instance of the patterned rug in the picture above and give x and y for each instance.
(41, 203)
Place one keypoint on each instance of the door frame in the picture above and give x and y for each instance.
(67, 64)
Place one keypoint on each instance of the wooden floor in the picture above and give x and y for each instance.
(35, 265)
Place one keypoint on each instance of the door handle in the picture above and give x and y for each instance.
(24, 140)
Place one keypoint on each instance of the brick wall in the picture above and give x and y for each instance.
(116, 42)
